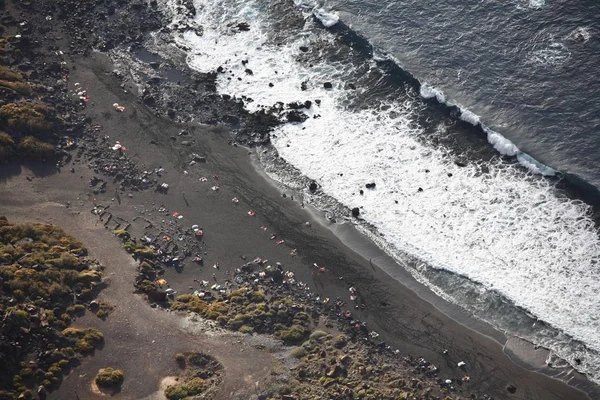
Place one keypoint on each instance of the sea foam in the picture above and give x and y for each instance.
(508, 231)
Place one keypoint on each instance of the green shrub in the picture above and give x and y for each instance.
(19, 87)
(144, 252)
(189, 302)
(77, 309)
(316, 335)
(198, 359)
(176, 392)
(293, 335)
(122, 234)
(26, 373)
(214, 310)
(257, 296)
(340, 341)
(298, 352)
(35, 148)
(8, 74)
(109, 377)
(246, 329)
(17, 318)
(25, 117)
(6, 139)
(88, 277)
(193, 387)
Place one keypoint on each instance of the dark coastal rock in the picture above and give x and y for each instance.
(296, 116)
(455, 112)
(511, 388)
(355, 212)
(307, 104)
(371, 185)
(249, 71)
(303, 49)
(243, 26)
(230, 119)
(304, 85)
(313, 186)
(328, 85)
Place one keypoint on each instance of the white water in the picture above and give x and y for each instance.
(499, 142)
(504, 229)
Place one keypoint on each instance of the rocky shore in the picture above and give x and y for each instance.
(147, 158)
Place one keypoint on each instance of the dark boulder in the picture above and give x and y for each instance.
(355, 212)
(371, 185)
(328, 85)
(243, 26)
(296, 116)
(313, 186)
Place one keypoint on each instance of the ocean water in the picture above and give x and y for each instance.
(467, 192)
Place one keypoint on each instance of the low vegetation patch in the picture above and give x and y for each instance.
(199, 373)
(110, 377)
(247, 311)
(46, 282)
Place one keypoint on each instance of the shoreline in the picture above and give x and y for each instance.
(404, 319)
(426, 330)
(519, 351)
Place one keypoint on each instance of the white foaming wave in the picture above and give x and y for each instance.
(501, 229)
(507, 232)
(469, 116)
(581, 34)
(500, 143)
(327, 18)
(534, 166)
(537, 3)
(429, 92)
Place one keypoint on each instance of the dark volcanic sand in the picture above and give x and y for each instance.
(143, 340)
(404, 320)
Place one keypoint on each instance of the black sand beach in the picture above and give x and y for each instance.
(143, 340)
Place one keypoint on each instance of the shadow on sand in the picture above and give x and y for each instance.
(39, 169)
